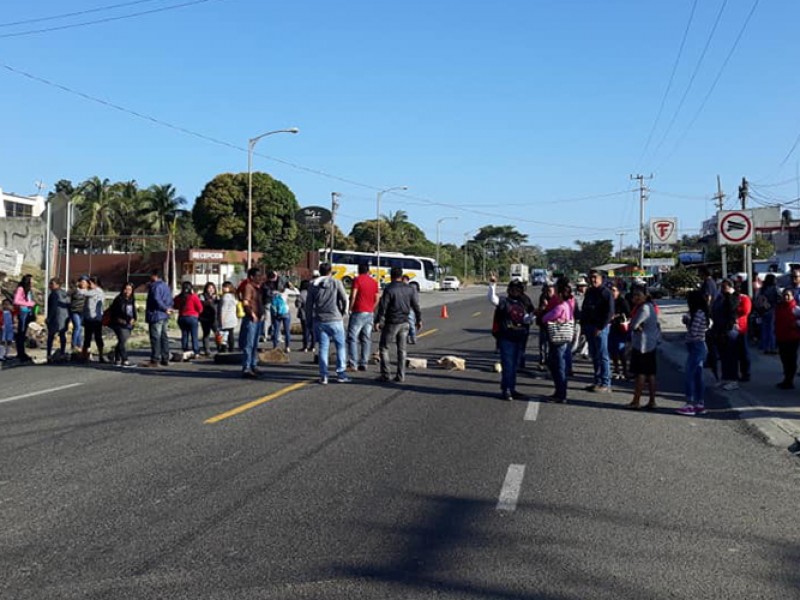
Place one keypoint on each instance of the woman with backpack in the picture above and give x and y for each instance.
(280, 315)
(559, 320)
(122, 318)
(208, 316)
(511, 326)
(189, 307)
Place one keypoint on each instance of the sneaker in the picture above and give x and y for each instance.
(382, 379)
(126, 364)
(590, 388)
(350, 369)
(731, 386)
(699, 409)
(287, 350)
(248, 374)
(399, 379)
(342, 378)
(687, 410)
(362, 367)
(506, 395)
(323, 381)
(164, 363)
(602, 389)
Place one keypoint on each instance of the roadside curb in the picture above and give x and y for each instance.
(775, 431)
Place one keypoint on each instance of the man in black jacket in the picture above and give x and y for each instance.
(391, 319)
(596, 316)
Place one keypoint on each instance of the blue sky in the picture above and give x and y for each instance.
(508, 112)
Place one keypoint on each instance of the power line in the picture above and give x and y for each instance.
(716, 81)
(694, 75)
(76, 13)
(107, 19)
(407, 197)
(669, 84)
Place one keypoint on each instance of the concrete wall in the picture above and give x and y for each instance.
(26, 236)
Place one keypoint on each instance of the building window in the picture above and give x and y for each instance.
(18, 209)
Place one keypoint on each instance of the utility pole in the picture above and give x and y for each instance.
(642, 198)
(720, 198)
(621, 235)
(334, 208)
(747, 250)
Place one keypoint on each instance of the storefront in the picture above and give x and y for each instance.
(216, 266)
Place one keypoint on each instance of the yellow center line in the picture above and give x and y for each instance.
(245, 407)
(428, 332)
(477, 314)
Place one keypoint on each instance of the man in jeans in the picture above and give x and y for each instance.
(157, 310)
(325, 309)
(397, 302)
(596, 316)
(362, 306)
(76, 304)
(252, 322)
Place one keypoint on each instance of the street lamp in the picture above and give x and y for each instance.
(438, 275)
(251, 144)
(466, 233)
(334, 208)
(378, 224)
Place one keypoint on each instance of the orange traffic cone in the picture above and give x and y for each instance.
(444, 314)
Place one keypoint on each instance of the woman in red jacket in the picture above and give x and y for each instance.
(787, 334)
(189, 307)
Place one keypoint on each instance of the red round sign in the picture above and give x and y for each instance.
(735, 227)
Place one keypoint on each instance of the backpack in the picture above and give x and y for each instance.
(278, 305)
(509, 319)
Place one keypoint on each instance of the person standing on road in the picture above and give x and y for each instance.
(76, 304)
(766, 301)
(93, 319)
(788, 337)
(708, 287)
(281, 317)
(618, 334)
(24, 303)
(123, 318)
(645, 335)
(561, 310)
(742, 323)
(391, 319)
(544, 344)
(326, 307)
(208, 316)
(725, 330)
(252, 322)
(307, 332)
(189, 307)
(158, 307)
(412, 324)
(597, 313)
(579, 345)
(794, 285)
(6, 329)
(363, 297)
(227, 316)
(696, 322)
(57, 317)
(495, 300)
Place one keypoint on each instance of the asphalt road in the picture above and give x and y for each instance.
(119, 487)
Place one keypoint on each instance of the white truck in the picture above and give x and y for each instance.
(520, 272)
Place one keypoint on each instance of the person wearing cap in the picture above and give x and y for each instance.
(76, 303)
(596, 316)
(579, 344)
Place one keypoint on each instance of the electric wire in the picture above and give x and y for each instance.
(107, 19)
(77, 13)
(693, 77)
(669, 84)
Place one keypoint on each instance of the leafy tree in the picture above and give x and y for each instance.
(680, 279)
(220, 217)
(94, 200)
(160, 204)
(592, 254)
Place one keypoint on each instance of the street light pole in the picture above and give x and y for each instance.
(378, 225)
(251, 144)
(334, 208)
(439, 222)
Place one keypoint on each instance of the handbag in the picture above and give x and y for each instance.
(560, 332)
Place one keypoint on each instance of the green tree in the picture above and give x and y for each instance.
(220, 217)
(95, 204)
(160, 204)
(592, 254)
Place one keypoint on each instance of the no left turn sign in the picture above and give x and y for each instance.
(735, 227)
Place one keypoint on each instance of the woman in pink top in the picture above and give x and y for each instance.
(561, 310)
(23, 304)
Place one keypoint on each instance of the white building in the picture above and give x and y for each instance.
(13, 205)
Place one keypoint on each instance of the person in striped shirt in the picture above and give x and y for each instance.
(696, 322)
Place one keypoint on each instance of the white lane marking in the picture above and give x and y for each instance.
(511, 488)
(532, 411)
(50, 391)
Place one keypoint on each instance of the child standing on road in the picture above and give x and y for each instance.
(6, 330)
(696, 322)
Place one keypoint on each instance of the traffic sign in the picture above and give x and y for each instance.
(735, 227)
(664, 230)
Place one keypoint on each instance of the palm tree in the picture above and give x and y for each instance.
(161, 205)
(127, 199)
(94, 200)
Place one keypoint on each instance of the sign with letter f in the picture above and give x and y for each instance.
(664, 230)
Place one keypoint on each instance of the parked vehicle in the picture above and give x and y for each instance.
(540, 276)
(451, 283)
(520, 272)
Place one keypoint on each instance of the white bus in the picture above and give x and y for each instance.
(421, 270)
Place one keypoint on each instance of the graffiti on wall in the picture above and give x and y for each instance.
(26, 236)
